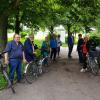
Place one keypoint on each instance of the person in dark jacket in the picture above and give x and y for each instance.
(70, 44)
(59, 43)
(29, 48)
(79, 48)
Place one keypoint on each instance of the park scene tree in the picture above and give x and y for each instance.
(49, 17)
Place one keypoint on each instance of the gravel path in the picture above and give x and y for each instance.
(63, 82)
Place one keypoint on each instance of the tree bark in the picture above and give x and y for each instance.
(4, 22)
(3, 31)
(68, 28)
(51, 29)
(17, 22)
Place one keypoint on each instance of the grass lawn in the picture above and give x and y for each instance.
(3, 82)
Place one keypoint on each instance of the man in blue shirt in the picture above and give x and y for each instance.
(14, 57)
(70, 44)
(53, 45)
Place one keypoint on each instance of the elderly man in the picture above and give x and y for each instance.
(14, 57)
(29, 48)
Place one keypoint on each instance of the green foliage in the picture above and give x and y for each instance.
(23, 34)
(3, 82)
(96, 39)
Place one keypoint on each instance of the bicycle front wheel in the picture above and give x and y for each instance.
(30, 72)
(95, 67)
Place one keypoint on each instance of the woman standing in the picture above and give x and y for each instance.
(53, 46)
(85, 50)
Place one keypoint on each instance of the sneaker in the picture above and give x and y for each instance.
(20, 81)
(82, 70)
(86, 69)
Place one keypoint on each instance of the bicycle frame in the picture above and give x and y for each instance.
(3, 70)
(93, 64)
(36, 70)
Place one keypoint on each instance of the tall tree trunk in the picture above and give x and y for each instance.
(51, 29)
(68, 28)
(3, 31)
(17, 22)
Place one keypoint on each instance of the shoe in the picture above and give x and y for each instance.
(86, 69)
(69, 57)
(82, 70)
(20, 81)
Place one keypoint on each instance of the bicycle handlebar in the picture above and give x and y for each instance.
(3, 52)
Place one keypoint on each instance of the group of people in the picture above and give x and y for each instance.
(83, 48)
(16, 52)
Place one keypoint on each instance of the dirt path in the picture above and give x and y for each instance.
(62, 82)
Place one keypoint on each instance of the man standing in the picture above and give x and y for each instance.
(29, 48)
(79, 48)
(70, 44)
(58, 45)
(14, 57)
(53, 46)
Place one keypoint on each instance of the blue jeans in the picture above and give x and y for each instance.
(15, 65)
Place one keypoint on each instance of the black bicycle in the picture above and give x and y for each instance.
(3, 69)
(35, 68)
(92, 62)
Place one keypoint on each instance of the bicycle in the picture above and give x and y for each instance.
(92, 62)
(35, 68)
(4, 72)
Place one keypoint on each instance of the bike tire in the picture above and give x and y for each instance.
(30, 72)
(89, 64)
(95, 67)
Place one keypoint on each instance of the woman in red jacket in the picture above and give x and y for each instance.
(85, 50)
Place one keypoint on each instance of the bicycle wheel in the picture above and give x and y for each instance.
(89, 63)
(30, 72)
(95, 67)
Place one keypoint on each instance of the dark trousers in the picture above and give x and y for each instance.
(70, 47)
(53, 53)
(58, 50)
(80, 56)
(15, 65)
(84, 61)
